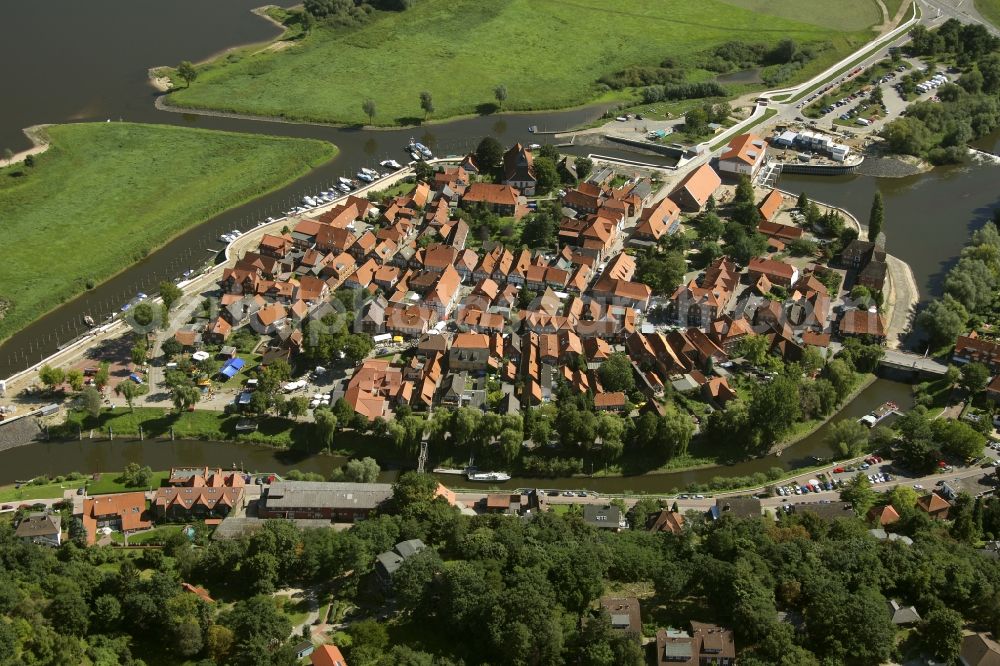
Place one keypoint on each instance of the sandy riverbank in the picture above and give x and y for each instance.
(36, 134)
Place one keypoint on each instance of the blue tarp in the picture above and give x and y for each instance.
(231, 367)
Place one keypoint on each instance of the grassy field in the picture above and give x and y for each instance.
(106, 484)
(990, 9)
(548, 55)
(106, 194)
(845, 16)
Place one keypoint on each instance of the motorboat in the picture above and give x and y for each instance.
(390, 164)
(370, 172)
(487, 477)
(364, 176)
(344, 188)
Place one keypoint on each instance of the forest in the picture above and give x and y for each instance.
(505, 590)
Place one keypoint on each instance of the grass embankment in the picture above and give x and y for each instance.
(106, 194)
(459, 50)
(107, 483)
(990, 9)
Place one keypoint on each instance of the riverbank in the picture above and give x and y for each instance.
(105, 195)
(266, 84)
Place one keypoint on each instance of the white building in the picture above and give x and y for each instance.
(745, 155)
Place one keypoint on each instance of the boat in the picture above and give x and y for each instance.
(343, 187)
(415, 155)
(876, 416)
(419, 148)
(365, 177)
(235, 233)
(88, 320)
(488, 477)
(390, 164)
(370, 172)
(344, 181)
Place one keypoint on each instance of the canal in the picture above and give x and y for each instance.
(88, 456)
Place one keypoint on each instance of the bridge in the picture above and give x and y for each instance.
(896, 359)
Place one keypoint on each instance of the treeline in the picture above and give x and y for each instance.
(970, 290)
(351, 12)
(967, 111)
(782, 59)
(676, 91)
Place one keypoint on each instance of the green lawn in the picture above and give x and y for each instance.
(157, 535)
(846, 16)
(104, 195)
(548, 55)
(106, 484)
(990, 9)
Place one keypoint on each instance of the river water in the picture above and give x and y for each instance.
(90, 456)
(92, 67)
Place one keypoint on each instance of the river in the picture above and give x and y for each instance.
(89, 456)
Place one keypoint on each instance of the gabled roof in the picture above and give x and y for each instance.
(700, 184)
(746, 148)
(771, 204)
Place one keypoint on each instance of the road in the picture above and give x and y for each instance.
(938, 11)
(904, 359)
(691, 503)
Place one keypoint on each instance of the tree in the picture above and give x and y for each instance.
(139, 351)
(958, 438)
(943, 320)
(297, 406)
(257, 626)
(106, 613)
(413, 488)
(744, 191)
(219, 642)
(368, 106)
(616, 373)
(51, 377)
(357, 346)
(858, 491)
(75, 379)
(186, 71)
(365, 470)
(546, 175)
(876, 218)
(583, 166)
(975, 377)
(128, 390)
(774, 407)
(489, 154)
(500, 94)
(326, 426)
(103, 374)
(185, 397)
(171, 347)
(695, 121)
(803, 202)
(940, 634)
(136, 476)
(170, 293)
(91, 399)
(849, 437)
(426, 104)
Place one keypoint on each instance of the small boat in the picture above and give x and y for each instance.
(416, 146)
(370, 172)
(415, 155)
(365, 177)
(235, 233)
(225, 238)
(390, 164)
(88, 320)
(344, 188)
(532, 128)
(488, 477)
(188, 273)
(344, 181)
(874, 417)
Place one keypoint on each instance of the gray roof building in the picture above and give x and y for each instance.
(605, 517)
(387, 563)
(902, 615)
(342, 502)
(42, 528)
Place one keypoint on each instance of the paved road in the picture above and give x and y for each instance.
(938, 11)
(916, 361)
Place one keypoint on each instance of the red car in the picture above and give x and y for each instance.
(838, 470)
